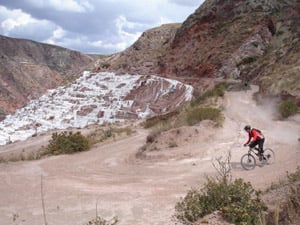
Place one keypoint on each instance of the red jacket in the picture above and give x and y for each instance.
(255, 134)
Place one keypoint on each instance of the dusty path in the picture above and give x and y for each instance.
(141, 191)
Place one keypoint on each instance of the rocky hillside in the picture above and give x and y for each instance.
(145, 55)
(28, 69)
(249, 40)
(255, 41)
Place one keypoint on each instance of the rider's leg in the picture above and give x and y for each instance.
(253, 144)
(261, 145)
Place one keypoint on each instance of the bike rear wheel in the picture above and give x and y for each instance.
(269, 155)
(248, 162)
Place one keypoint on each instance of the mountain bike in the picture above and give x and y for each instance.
(248, 160)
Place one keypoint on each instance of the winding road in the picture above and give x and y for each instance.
(112, 180)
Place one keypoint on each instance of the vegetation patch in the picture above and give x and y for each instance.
(160, 119)
(67, 143)
(103, 134)
(101, 221)
(204, 107)
(287, 108)
(217, 91)
(196, 115)
(287, 209)
(237, 200)
(247, 60)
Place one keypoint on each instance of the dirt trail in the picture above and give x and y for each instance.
(141, 192)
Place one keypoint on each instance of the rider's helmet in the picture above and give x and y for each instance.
(247, 127)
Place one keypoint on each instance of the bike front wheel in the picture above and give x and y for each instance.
(248, 162)
(269, 156)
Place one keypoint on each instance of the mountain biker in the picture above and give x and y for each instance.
(255, 138)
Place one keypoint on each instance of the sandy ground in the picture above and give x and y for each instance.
(141, 191)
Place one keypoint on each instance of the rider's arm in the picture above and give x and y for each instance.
(249, 139)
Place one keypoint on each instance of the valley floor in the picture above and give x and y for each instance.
(142, 191)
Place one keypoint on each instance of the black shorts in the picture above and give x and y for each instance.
(260, 144)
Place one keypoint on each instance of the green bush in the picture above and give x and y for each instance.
(151, 122)
(288, 108)
(67, 143)
(196, 115)
(217, 91)
(100, 221)
(247, 60)
(294, 177)
(290, 208)
(237, 200)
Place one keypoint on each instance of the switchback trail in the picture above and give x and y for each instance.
(142, 191)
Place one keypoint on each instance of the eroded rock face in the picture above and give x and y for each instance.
(249, 40)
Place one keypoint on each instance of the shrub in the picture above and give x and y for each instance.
(173, 144)
(287, 108)
(66, 143)
(196, 115)
(100, 221)
(293, 203)
(150, 138)
(151, 122)
(290, 208)
(294, 177)
(217, 91)
(237, 200)
(103, 134)
(247, 60)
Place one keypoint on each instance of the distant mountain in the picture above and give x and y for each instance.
(256, 41)
(28, 69)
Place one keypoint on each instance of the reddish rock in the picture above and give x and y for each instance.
(100, 114)
(85, 110)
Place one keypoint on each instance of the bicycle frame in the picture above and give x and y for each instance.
(253, 150)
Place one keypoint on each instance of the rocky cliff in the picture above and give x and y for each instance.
(28, 69)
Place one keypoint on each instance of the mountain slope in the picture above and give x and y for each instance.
(145, 55)
(28, 69)
(249, 40)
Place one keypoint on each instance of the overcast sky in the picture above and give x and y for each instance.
(89, 26)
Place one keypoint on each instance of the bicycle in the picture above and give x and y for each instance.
(248, 160)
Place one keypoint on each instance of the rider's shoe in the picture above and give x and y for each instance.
(261, 157)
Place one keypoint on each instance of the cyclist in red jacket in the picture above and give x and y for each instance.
(255, 138)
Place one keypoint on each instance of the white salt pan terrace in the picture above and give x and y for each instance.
(58, 108)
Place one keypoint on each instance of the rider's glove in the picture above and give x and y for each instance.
(245, 145)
